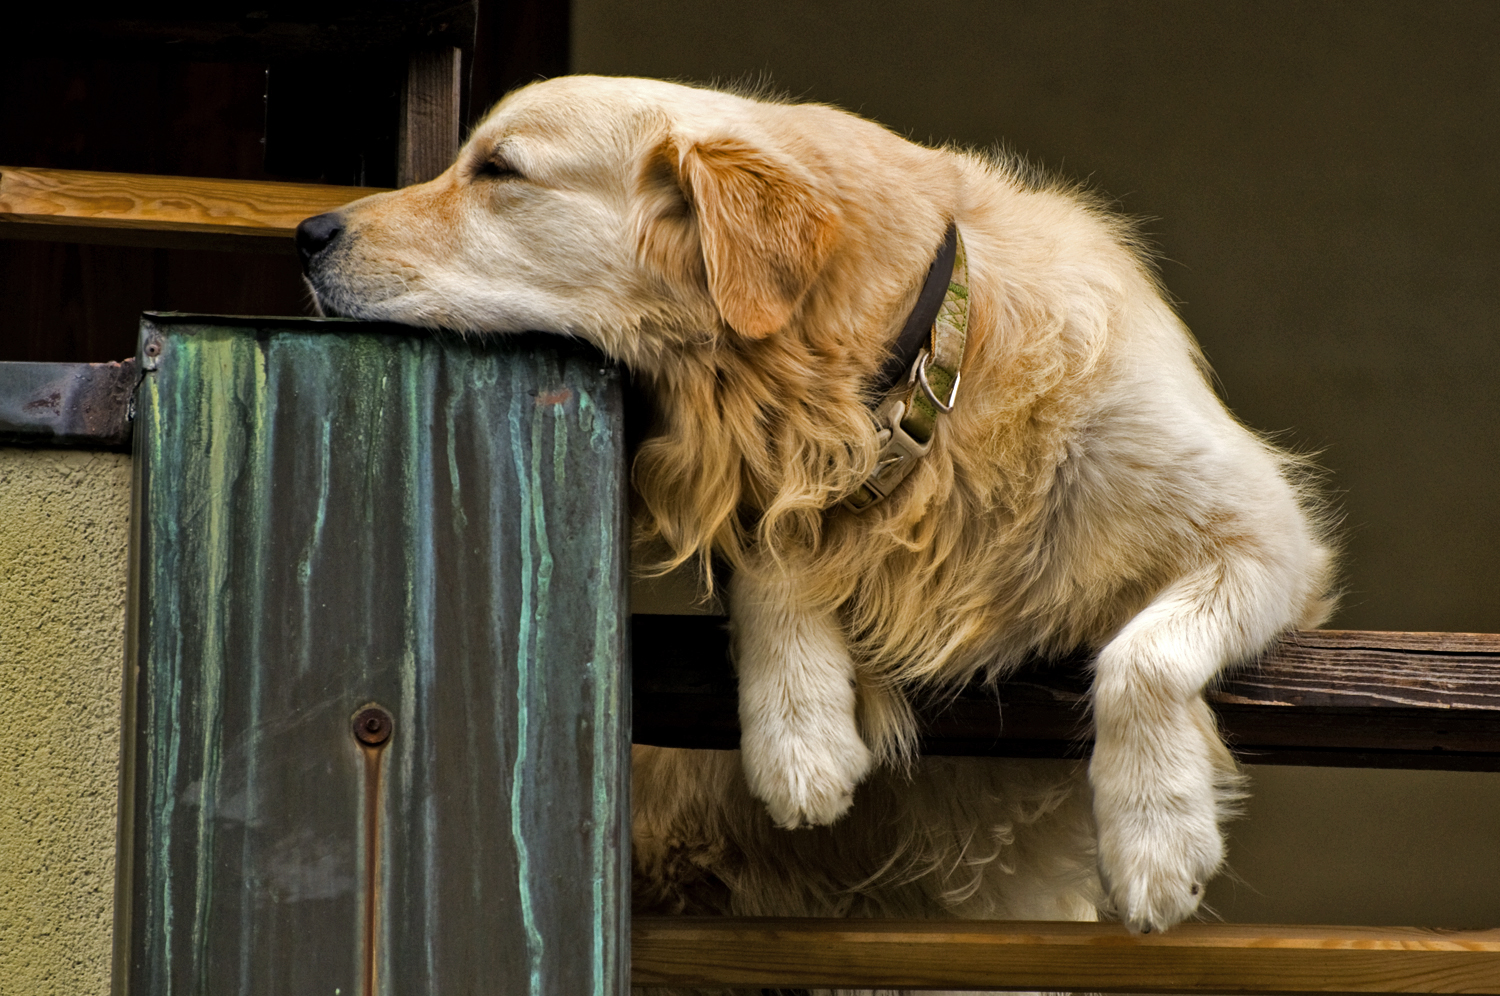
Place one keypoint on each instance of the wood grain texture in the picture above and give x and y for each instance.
(1362, 699)
(1190, 958)
(1352, 668)
(430, 126)
(161, 211)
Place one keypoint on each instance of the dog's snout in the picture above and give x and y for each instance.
(315, 234)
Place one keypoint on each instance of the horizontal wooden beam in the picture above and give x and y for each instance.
(174, 212)
(1013, 955)
(1339, 698)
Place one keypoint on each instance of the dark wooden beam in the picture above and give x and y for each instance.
(1090, 957)
(429, 124)
(516, 43)
(1338, 698)
(253, 31)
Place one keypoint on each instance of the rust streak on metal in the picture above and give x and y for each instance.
(560, 396)
(372, 728)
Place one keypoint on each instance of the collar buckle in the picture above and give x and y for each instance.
(906, 424)
(897, 458)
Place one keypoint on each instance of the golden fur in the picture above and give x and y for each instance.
(751, 263)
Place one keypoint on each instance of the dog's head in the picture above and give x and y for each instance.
(751, 259)
(633, 213)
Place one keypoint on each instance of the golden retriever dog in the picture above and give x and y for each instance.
(1051, 470)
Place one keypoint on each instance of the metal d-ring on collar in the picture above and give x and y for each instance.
(919, 374)
(907, 419)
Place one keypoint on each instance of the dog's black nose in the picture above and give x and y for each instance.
(314, 235)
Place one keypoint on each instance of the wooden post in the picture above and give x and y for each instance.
(429, 131)
(377, 677)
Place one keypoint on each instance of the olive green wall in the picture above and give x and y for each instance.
(1357, 845)
(1321, 183)
(1323, 175)
(63, 537)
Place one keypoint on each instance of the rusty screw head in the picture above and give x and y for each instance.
(373, 726)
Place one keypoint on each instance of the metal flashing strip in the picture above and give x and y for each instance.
(78, 405)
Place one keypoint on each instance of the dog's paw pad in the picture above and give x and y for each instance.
(808, 788)
(1155, 878)
(810, 813)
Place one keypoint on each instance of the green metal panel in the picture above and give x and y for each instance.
(333, 515)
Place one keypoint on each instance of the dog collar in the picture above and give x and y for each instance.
(907, 417)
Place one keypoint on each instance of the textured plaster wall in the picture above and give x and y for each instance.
(63, 539)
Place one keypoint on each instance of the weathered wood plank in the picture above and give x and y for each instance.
(332, 516)
(1365, 699)
(161, 211)
(1379, 670)
(1190, 958)
(429, 133)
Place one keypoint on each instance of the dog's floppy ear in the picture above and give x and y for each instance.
(763, 231)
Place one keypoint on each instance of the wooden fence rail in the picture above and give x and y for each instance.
(1370, 699)
(1018, 955)
(173, 212)
(1326, 697)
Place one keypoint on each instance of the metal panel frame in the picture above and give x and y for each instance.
(333, 516)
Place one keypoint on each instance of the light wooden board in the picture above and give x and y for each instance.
(1190, 958)
(161, 211)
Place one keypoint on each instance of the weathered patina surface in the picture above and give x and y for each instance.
(333, 516)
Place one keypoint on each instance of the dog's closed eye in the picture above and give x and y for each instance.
(495, 168)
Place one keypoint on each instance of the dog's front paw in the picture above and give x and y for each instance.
(1157, 803)
(799, 738)
(806, 781)
(1156, 859)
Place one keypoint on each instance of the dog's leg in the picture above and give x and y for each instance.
(799, 739)
(1162, 778)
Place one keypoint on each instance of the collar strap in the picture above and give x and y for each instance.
(908, 416)
(914, 335)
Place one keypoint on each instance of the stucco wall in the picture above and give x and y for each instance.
(63, 539)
